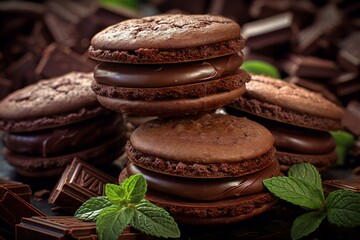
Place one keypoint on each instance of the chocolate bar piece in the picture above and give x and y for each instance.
(328, 21)
(55, 227)
(63, 32)
(20, 189)
(66, 227)
(58, 60)
(309, 67)
(346, 86)
(13, 208)
(269, 31)
(351, 118)
(23, 70)
(304, 9)
(349, 54)
(6, 87)
(344, 184)
(79, 182)
(234, 9)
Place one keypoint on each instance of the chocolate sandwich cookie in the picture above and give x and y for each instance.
(201, 168)
(180, 65)
(49, 123)
(298, 118)
(167, 39)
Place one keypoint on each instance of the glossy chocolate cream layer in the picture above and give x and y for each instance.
(206, 189)
(302, 141)
(166, 75)
(293, 139)
(64, 139)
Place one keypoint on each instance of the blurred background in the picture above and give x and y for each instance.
(313, 44)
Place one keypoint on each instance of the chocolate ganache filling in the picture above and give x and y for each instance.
(65, 139)
(303, 141)
(294, 139)
(166, 75)
(206, 189)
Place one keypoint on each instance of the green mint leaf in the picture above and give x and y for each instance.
(343, 208)
(112, 221)
(91, 209)
(343, 141)
(115, 193)
(155, 221)
(306, 224)
(260, 67)
(295, 191)
(308, 173)
(135, 188)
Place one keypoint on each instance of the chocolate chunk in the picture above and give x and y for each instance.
(269, 31)
(6, 87)
(78, 183)
(314, 86)
(327, 23)
(304, 10)
(20, 189)
(55, 227)
(58, 60)
(38, 40)
(66, 227)
(234, 9)
(63, 32)
(13, 208)
(344, 184)
(22, 7)
(349, 54)
(351, 118)
(346, 86)
(69, 11)
(22, 72)
(355, 152)
(309, 67)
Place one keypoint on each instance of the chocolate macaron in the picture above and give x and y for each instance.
(204, 169)
(169, 65)
(49, 123)
(298, 118)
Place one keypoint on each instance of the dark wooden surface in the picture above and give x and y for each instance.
(275, 224)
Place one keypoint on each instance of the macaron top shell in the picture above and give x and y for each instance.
(292, 97)
(168, 31)
(59, 95)
(208, 138)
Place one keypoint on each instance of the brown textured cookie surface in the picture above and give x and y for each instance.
(284, 102)
(209, 145)
(208, 138)
(167, 38)
(53, 102)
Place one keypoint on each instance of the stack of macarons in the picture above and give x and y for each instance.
(169, 65)
(298, 118)
(204, 168)
(49, 123)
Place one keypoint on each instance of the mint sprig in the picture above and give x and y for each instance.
(343, 208)
(92, 208)
(306, 224)
(125, 205)
(303, 188)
